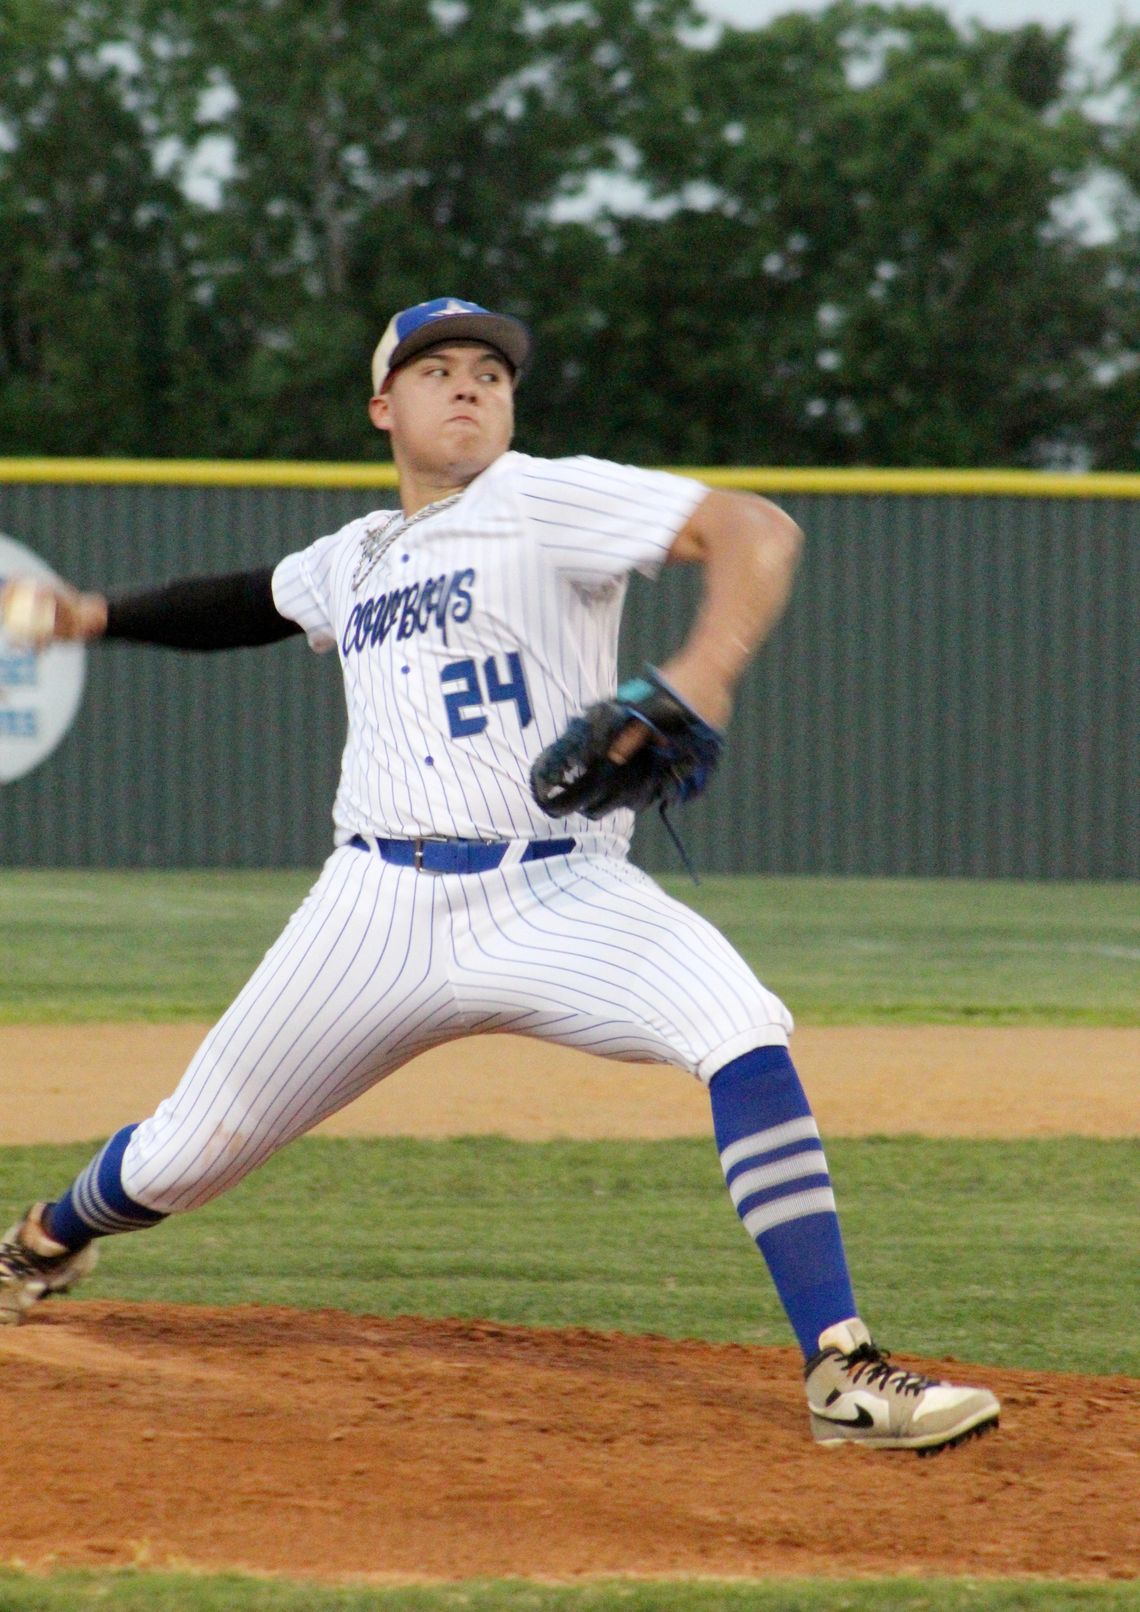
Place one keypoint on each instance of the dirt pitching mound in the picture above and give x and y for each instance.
(335, 1446)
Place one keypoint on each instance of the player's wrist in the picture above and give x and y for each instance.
(703, 682)
(80, 617)
(90, 615)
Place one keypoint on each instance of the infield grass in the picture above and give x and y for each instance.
(1013, 1253)
(162, 1592)
(164, 946)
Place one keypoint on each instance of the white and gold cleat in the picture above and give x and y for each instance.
(33, 1266)
(856, 1396)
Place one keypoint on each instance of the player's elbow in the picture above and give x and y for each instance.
(728, 522)
(784, 535)
(775, 535)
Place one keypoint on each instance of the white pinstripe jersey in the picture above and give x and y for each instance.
(476, 635)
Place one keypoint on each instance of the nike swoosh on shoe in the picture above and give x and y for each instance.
(861, 1418)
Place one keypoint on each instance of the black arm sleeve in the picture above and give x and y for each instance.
(225, 612)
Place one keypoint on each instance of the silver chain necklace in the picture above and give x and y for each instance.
(380, 536)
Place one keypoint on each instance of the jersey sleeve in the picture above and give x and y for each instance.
(597, 520)
(302, 590)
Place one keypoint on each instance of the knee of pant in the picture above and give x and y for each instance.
(168, 1181)
(760, 1039)
(766, 1061)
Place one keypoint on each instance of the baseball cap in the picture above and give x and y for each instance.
(446, 319)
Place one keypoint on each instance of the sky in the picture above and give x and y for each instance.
(1092, 20)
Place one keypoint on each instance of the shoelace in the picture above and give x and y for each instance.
(874, 1365)
(16, 1260)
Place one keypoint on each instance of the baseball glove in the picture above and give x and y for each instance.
(575, 774)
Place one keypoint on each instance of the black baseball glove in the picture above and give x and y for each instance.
(575, 774)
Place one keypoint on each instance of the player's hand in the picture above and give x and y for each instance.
(35, 614)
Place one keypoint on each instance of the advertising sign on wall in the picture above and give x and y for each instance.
(40, 691)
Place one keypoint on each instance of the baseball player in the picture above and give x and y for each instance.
(473, 626)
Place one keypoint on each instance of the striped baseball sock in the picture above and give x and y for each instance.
(773, 1162)
(95, 1204)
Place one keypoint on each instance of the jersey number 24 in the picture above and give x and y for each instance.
(464, 701)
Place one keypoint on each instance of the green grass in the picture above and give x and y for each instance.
(1008, 1253)
(163, 946)
(138, 945)
(162, 1592)
(869, 951)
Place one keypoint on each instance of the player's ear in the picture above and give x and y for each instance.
(379, 412)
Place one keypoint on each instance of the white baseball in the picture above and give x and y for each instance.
(29, 611)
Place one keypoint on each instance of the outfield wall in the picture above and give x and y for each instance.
(955, 689)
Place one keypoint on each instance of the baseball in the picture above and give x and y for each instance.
(28, 611)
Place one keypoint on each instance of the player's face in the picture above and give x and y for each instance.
(449, 411)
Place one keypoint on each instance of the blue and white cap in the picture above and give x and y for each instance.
(446, 319)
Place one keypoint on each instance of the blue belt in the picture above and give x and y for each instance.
(456, 856)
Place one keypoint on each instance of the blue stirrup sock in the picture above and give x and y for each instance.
(773, 1162)
(96, 1204)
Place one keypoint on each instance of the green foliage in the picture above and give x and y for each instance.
(164, 946)
(185, 1592)
(93, 286)
(380, 155)
(873, 275)
(1019, 1244)
(846, 237)
(1114, 433)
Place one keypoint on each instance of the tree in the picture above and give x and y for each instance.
(853, 252)
(1113, 433)
(92, 295)
(848, 239)
(383, 154)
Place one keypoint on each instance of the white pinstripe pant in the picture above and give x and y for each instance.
(379, 963)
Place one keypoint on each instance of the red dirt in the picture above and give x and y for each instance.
(335, 1446)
